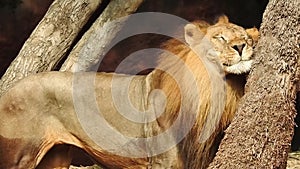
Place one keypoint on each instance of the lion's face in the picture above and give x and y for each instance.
(226, 43)
(232, 46)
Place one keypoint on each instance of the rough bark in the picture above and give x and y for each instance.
(50, 40)
(94, 41)
(261, 133)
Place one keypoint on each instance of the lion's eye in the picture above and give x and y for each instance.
(220, 38)
(249, 41)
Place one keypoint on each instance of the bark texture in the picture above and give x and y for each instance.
(50, 40)
(261, 133)
(90, 49)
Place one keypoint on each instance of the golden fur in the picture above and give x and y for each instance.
(38, 112)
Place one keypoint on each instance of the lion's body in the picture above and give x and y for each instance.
(51, 119)
(40, 111)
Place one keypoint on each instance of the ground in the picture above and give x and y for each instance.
(293, 162)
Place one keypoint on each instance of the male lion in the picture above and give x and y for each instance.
(187, 98)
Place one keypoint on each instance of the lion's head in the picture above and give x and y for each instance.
(228, 44)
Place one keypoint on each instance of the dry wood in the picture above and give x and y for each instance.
(91, 46)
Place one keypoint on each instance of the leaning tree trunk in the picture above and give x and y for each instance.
(261, 133)
(99, 35)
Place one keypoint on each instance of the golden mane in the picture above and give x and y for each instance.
(216, 108)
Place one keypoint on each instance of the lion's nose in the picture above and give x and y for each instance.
(239, 48)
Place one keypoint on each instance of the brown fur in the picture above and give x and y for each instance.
(38, 112)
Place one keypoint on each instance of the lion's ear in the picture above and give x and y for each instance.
(253, 33)
(223, 19)
(192, 34)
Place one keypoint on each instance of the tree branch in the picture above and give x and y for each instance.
(92, 44)
(261, 132)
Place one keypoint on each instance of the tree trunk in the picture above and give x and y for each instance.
(261, 132)
(99, 35)
(50, 40)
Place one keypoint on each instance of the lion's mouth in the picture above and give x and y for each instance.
(226, 64)
(239, 68)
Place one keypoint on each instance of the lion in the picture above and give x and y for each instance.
(191, 96)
